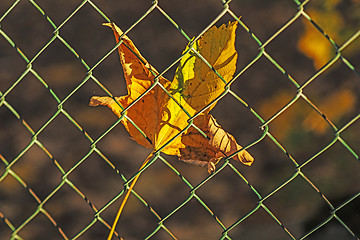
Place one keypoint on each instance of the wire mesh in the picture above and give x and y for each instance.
(65, 166)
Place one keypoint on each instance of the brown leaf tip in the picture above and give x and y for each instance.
(94, 101)
(211, 165)
(245, 157)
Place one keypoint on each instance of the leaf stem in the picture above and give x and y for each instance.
(126, 197)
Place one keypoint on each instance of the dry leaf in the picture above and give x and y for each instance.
(159, 116)
(207, 151)
(156, 114)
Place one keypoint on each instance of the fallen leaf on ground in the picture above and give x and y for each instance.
(161, 118)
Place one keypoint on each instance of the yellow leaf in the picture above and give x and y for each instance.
(194, 79)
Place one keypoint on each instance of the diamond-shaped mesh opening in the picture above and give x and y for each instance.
(60, 69)
(18, 203)
(291, 130)
(84, 31)
(74, 143)
(14, 133)
(97, 188)
(300, 197)
(286, 49)
(248, 228)
(164, 195)
(37, 170)
(293, 103)
(63, 204)
(26, 35)
(277, 169)
(193, 213)
(228, 202)
(32, 91)
(265, 102)
(337, 163)
(136, 217)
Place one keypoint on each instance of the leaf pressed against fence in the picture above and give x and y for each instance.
(284, 80)
(162, 117)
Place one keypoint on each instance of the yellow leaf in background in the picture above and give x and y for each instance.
(197, 83)
(315, 46)
(312, 42)
(282, 126)
(160, 118)
(334, 107)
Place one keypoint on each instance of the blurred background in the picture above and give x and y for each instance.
(59, 64)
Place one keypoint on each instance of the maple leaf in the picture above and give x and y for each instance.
(161, 118)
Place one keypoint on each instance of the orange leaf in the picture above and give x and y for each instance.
(161, 119)
(156, 114)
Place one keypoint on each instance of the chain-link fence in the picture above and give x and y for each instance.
(293, 104)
